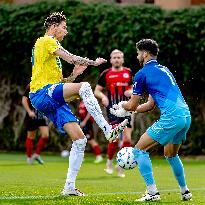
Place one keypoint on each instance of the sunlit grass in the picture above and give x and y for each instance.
(41, 184)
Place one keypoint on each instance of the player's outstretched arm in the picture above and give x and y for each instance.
(148, 106)
(77, 60)
(132, 104)
(125, 108)
(77, 70)
(119, 111)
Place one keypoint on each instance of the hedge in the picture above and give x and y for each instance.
(96, 29)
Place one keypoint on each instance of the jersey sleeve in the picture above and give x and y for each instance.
(52, 45)
(138, 84)
(131, 79)
(102, 80)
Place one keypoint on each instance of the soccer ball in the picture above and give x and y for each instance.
(125, 158)
(65, 153)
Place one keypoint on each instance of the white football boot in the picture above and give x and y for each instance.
(29, 160)
(120, 172)
(149, 197)
(116, 131)
(38, 158)
(109, 169)
(187, 196)
(72, 192)
(98, 159)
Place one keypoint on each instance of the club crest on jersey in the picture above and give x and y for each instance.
(126, 75)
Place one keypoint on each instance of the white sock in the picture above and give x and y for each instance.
(69, 185)
(93, 107)
(183, 189)
(109, 162)
(99, 156)
(75, 161)
(152, 189)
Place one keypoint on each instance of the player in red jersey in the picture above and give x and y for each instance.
(34, 120)
(86, 123)
(114, 86)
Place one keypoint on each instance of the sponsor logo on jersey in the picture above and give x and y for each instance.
(121, 84)
(113, 76)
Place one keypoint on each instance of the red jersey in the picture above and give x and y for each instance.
(116, 83)
(83, 112)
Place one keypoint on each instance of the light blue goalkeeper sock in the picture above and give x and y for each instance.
(178, 169)
(145, 166)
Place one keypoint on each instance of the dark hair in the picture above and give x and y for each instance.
(148, 45)
(54, 18)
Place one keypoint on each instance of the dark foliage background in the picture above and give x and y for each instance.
(95, 30)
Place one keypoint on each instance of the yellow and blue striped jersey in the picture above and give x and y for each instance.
(46, 66)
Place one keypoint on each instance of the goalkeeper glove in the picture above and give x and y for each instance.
(119, 111)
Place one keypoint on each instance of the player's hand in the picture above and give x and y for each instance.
(119, 111)
(82, 124)
(128, 93)
(105, 101)
(32, 114)
(100, 61)
(78, 69)
(63, 80)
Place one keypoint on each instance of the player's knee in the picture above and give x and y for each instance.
(143, 160)
(80, 144)
(169, 157)
(85, 88)
(169, 154)
(32, 137)
(45, 136)
(85, 85)
(126, 138)
(138, 153)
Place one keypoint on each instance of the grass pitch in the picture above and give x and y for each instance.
(41, 184)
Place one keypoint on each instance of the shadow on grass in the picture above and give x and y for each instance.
(104, 178)
(15, 164)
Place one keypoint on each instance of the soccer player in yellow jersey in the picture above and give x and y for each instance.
(50, 92)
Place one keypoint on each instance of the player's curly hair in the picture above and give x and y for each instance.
(54, 18)
(148, 45)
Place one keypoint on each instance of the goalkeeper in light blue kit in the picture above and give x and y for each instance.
(175, 119)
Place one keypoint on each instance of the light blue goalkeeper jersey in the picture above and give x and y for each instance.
(159, 82)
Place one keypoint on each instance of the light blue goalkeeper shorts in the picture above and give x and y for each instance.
(170, 129)
(50, 102)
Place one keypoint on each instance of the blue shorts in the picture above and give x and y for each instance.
(49, 101)
(170, 129)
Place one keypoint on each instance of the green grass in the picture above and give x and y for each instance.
(41, 184)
